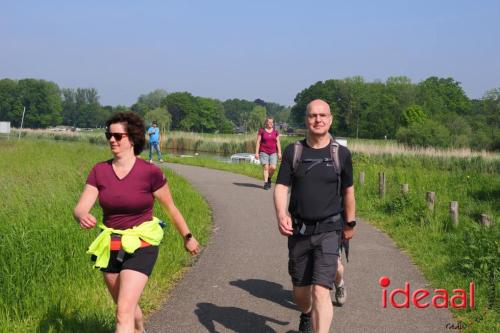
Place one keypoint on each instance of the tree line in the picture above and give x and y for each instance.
(48, 105)
(434, 112)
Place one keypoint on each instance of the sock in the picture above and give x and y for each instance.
(306, 314)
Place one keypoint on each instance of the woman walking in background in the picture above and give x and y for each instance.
(268, 150)
(127, 248)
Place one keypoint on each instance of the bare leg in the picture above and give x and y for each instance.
(126, 289)
(272, 168)
(340, 272)
(265, 168)
(322, 309)
(113, 283)
(303, 298)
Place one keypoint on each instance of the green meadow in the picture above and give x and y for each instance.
(47, 282)
(449, 256)
(48, 285)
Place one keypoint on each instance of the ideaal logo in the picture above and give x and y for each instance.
(422, 298)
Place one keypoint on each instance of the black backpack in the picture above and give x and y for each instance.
(334, 158)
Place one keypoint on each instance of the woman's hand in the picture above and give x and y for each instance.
(279, 156)
(256, 156)
(87, 221)
(191, 245)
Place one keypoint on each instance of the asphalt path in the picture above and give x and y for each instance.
(240, 282)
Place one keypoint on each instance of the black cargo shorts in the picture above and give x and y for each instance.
(313, 259)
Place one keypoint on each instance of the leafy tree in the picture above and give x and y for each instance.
(11, 107)
(42, 101)
(256, 118)
(162, 116)
(439, 96)
(427, 134)
(148, 102)
(81, 108)
(237, 110)
(182, 106)
(414, 114)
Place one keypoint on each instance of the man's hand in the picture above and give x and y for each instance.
(347, 232)
(285, 225)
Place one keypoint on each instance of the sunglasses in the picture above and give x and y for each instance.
(117, 136)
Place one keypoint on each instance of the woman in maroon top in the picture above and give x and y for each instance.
(126, 187)
(268, 150)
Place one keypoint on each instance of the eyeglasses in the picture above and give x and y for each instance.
(117, 136)
(320, 115)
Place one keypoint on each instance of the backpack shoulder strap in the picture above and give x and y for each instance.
(297, 154)
(334, 154)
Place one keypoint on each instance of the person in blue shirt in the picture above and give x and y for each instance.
(154, 141)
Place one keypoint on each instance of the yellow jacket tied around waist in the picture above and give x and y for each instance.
(150, 231)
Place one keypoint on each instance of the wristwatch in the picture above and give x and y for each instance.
(351, 224)
(188, 236)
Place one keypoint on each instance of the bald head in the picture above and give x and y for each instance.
(317, 104)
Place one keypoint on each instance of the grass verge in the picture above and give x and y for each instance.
(46, 280)
(448, 256)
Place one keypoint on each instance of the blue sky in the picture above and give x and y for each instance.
(247, 49)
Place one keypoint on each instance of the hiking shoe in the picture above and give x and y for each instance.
(305, 325)
(340, 295)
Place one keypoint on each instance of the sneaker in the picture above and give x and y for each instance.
(340, 295)
(267, 186)
(150, 161)
(305, 325)
(161, 161)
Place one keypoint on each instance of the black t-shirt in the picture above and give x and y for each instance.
(314, 194)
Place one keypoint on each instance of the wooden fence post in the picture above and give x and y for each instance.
(405, 189)
(485, 220)
(362, 178)
(381, 184)
(454, 212)
(431, 198)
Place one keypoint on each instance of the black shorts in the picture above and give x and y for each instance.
(142, 260)
(313, 258)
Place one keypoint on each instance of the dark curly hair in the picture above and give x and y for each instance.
(135, 127)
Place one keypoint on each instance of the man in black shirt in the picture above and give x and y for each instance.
(321, 213)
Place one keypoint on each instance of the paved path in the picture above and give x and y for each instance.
(240, 283)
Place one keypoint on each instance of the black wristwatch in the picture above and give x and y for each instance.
(188, 236)
(351, 224)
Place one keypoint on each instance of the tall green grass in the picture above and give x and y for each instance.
(46, 280)
(449, 257)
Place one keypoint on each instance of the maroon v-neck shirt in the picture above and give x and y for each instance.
(126, 202)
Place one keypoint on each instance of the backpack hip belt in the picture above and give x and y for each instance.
(306, 227)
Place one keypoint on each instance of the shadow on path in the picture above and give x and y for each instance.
(247, 185)
(235, 319)
(271, 291)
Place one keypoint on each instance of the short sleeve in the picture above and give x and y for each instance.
(259, 133)
(277, 133)
(346, 174)
(158, 178)
(285, 173)
(92, 177)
